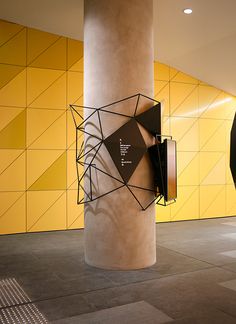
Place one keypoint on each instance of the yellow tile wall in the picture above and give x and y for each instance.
(40, 75)
(199, 117)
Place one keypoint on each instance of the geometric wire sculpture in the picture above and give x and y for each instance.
(126, 146)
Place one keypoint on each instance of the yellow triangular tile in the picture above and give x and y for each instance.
(228, 126)
(53, 219)
(188, 168)
(53, 137)
(38, 121)
(229, 177)
(7, 157)
(161, 71)
(14, 220)
(164, 97)
(208, 160)
(8, 73)
(39, 80)
(183, 160)
(12, 136)
(217, 108)
(75, 87)
(75, 52)
(13, 177)
(187, 204)
(203, 83)
(14, 51)
(54, 57)
(16, 86)
(207, 127)
(36, 169)
(54, 178)
(217, 174)
(158, 86)
(185, 78)
(72, 182)
(230, 106)
(165, 127)
(78, 66)
(54, 97)
(71, 131)
(230, 200)
(212, 201)
(173, 73)
(75, 213)
(189, 108)
(181, 126)
(80, 101)
(207, 95)
(162, 214)
(179, 93)
(38, 202)
(72, 168)
(7, 114)
(189, 140)
(190, 209)
(78, 223)
(217, 140)
(37, 42)
(8, 30)
(8, 199)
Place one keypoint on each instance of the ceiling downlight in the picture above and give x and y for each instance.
(188, 11)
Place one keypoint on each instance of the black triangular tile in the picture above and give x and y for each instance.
(151, 119)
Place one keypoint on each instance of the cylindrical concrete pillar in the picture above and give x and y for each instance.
(118, 62)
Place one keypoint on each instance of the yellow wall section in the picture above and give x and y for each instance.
(199, 117)
(40, 75)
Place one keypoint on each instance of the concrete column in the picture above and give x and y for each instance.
(118, 62)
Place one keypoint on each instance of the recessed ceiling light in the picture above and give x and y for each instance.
(187, 11)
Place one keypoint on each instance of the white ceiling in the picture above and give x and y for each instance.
(202, 44)
(62, 17)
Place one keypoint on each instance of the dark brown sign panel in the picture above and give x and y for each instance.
(163, 158)
(126, 147)
(233, 150)
(171, 176)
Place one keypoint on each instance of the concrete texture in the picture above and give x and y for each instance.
(118, 62)
(231, 284)
(230, 235)
(231, 254)
(230, 223)
(133, 313)
(192, 282)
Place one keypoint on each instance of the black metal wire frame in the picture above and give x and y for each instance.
(81, 155)
(128, 186)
